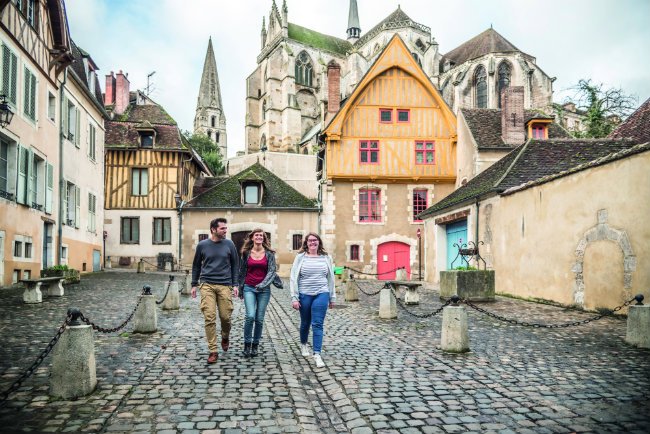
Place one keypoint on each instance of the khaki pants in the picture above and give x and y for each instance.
(215, 297)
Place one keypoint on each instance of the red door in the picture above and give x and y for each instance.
(390, 256)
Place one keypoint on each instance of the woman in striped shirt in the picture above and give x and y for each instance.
(312, 292)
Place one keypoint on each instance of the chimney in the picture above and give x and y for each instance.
(513, 131)
(109, 97)
(333, 87)
(121, 93)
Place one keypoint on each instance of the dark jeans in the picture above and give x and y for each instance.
(312, 313)
(255, 303)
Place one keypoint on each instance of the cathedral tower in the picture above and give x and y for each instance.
(354, 30)
(210, 118)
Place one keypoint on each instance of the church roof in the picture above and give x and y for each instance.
(396, 20)
(489, 41)
(277, 193)
(318, 40)
(485, 126)
(637, 126)
(209, 91)
(535, 163)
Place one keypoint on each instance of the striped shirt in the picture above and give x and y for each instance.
(313, 275)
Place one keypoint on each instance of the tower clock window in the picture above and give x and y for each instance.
(303, 69)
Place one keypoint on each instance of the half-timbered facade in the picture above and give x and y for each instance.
(389, 154)
(150, 171)
(36, 49)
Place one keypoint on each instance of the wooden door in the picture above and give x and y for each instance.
(456, 234)
(390, 256)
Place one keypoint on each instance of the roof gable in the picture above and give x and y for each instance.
(396, 20)
(489, 41)
(394, 55)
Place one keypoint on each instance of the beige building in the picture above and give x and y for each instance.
(540, 235)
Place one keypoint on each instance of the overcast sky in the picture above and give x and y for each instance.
(607, 41)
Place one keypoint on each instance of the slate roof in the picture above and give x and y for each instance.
(537, 162)
(227, 193)
(637, 126)
(485, 126)
(125, 135)
(78, 69)
(489, 41)
(318, 40)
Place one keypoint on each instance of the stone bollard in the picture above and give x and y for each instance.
(168, 266)
(141, 266)
(351, 291)
(146, 319)
(73, 361)
(187, 288)
(387, 303)
(172, 301)
(400, 274)
(108, 264)
(454, 338)
(33, 294)
(56, 290)
(638, 324)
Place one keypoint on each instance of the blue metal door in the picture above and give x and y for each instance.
(97, 260)
(456, 234)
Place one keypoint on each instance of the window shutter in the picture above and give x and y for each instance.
(77, 202)
(66, 203)
(77, 127)
(31, 174)
(64, 117)
(32, 110)
(9, 72)
(49, 188)
(23, 160)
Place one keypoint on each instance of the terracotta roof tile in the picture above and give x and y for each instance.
(637, 126)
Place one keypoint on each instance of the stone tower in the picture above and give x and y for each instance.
(210, 118)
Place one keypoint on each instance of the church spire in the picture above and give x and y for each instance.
(354, 31)
(210, 118)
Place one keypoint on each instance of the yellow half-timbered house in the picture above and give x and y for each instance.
(390, 152)
(150, 171)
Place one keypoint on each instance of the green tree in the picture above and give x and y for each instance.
(604, 108)
(208, 151)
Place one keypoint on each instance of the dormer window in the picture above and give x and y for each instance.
(251, 193)
(538, 128)
(146, 139)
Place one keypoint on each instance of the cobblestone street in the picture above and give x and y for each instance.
(380, 376)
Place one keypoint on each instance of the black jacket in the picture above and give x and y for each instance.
(271, 273)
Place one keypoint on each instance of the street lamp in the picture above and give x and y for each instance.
(179, 206)
(5, 112)
(419, 232)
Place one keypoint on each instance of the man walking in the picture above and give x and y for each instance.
(214, 270)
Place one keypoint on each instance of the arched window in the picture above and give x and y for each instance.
(417, 58)
(263, 143)
(480, 87)
(213, 121)
(303, 69)
(504, 79)
(264, 110)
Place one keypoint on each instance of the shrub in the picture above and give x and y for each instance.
(463, 268)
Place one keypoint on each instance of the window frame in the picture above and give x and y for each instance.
(424, 151)
(146, 135)
(538, 131)
(11, 80)
(304, 70)
(355, 252)
(92, 213)
(18, 249)
(30, 94)
(408, 116)
(258, 188)
(140, 171)
(368, 151)
(92, 142)
(296, 245)
(368, 203)
(385, 110)
(164, 221)
(131, 232)
(419, 207)
(480, 87)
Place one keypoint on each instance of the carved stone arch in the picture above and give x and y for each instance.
(304, 69)
(601, 232)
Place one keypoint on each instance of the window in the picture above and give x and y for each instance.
(369, 205)
(71, 122)
(416, 58)
(297, 241)
(539, 131)
(403, 115)
(92, 140)
(504, 79)
(4, 169)
(9, 74)
(18, 249)
(146, 139)
(28, 250)
(368, 152)
(162, 230)
(29, 106)
(130, 230)
(72, 205)
(37, 182)
(251, 194)
(303, 69)
(354, 252)
(49, 188)
(419, 203)
(425, 153)
(203, 237)
(264, 110)
(92, 210)
(213, 121)
(27, 274)
(22, 189)
(480, 87)
(139, 182)
(386, 116)
(64, 252)
(51, 106)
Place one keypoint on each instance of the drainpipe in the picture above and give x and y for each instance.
(61, 180)
(180, 203)
(477, 207)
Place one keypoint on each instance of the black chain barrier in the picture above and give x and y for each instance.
(371, 274)
(114, 329)
(367, 293)
(638, 298)
(426, 315)
(25, 375)
(171, 279)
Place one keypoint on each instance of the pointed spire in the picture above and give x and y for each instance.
(209, 92)
(354, 31)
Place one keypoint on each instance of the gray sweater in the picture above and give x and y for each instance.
(215, 262)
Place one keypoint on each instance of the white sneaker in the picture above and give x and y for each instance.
(304, 348)
(319, 361)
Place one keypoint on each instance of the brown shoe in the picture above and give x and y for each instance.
(212, 358)
(225, 343)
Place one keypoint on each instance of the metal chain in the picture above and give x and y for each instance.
(367, 293)
(371, 274)
(166, 292)
(115, 329)
(426, 315)
(16, 384)
(548, 326)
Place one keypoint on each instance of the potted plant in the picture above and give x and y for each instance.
(70, 274)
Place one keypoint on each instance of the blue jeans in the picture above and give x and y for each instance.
(255, 302)
(312, 313)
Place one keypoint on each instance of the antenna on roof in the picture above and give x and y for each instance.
(149, 88)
